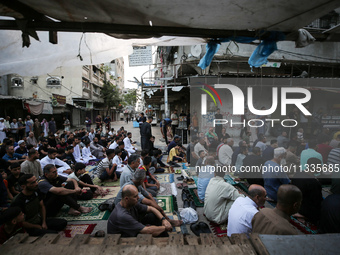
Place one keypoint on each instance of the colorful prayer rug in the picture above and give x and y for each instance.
(306, 228)
(113, 191)
(166, 202)
(219, 230)
(165, 178)
(97, 181)
(74, 229)
(95, 214)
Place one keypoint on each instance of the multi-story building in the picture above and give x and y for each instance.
(74, 92)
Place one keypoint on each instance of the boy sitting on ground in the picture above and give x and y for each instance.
(84, 180)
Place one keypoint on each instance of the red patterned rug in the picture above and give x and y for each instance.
(74, 229)
(306, 228)
(219, 230)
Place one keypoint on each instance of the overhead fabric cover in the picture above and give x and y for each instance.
(95, 48)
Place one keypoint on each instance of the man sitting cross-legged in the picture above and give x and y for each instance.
(84, 180)
(144, 197)
(31, 204)
(129, 218)
(276, 221)
(59, 190)
(243, 210)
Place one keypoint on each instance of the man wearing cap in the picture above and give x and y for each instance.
(12, 218)
(22, 148)
(2, 130)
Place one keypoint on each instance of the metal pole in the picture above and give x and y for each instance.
(167, 115)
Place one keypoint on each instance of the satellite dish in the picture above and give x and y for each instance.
(196, 50)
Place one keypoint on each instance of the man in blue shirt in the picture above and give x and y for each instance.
(12, 157)
(273, 174)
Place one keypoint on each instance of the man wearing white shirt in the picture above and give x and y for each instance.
(118, 161)
(128, 146)
(225, 153)
(114, 145)
(86, 151)
(76, 152)
(243, 210)
(91, 135)
(51, 158)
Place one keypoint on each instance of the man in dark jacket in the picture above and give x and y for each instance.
(146, 134)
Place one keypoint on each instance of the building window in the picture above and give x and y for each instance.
(53, 81)
(86, 84)
(17, 82)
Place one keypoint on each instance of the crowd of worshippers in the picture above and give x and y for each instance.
(271, 165)
(38, 179)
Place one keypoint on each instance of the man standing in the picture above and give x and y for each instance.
(243, 210)
(146, 134)
(29, 125)
(14, 129)
(276, 221)
(31, 204)
(66, 124)
(174, 123)
(52, 126)
(218, 127)
(225, 153)
(2, 130)
(88, 124)
(59, 190)
(32, 165)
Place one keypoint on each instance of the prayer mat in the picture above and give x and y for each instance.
(90, 168)
(113, 191)
(74, 229)
(165, 178)
(166, 202)
(97, 181)
(165, 189)
(219, 230)
(95, 214)
(193, 192)
(306, 228)
(182, 229)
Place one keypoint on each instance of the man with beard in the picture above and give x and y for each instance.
(31, 204)
(146, 134)
(96, 149)
(59, 190)
(32, 165)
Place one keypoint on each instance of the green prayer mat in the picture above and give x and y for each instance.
(196, 200)
(95, 214)
(166, 202)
